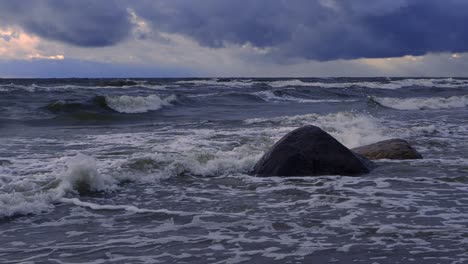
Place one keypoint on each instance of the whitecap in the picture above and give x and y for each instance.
(82, 176)
(269, 96)
(422, 103)
(391, 84)
(350, 129)
(39, 192)
(138, 104)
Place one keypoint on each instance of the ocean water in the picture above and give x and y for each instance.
(157, 171)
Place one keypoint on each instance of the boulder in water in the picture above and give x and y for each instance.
(116, 83)
(310, 151)
(395, 149)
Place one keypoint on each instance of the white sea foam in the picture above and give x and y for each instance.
(351, 129)
(421, 103)
(15, 203)
(138, 104)
(390, 84)
(38, 192)
(82, 176)
(35, 87)
(129, 208)
(239, 160)
(396, 84)
(270, 96)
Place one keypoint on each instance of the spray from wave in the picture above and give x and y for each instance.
(349, 128)
(138, 104)
(33, 195)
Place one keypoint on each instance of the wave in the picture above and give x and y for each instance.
(275, 96)
(351, 129)
(392, 85)
(178, 152)
(73, 175)
(102, 85)
(421, 103)
(241, 83)
(101, 104)
(81, 175)
(138, 104)
(387, 84)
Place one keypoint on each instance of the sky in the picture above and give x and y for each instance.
(233, 38)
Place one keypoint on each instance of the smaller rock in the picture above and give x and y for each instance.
(116, 83)
(395, 149)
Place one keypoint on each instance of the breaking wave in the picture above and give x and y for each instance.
(138, 104)
(420, 103)
(93, 86)
(196, 152)
(391, 84)
(34, 195)
(122, 104)
(349, 128)
(273, 96)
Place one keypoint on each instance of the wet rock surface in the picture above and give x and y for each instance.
(310, 151)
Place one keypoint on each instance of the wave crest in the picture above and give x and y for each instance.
(349, 128)
(421, 103)
(82, 176)
(138, 104)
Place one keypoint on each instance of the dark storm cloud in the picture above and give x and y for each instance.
(319, 29)
(88, 23)
(213, 22)
(309, 29)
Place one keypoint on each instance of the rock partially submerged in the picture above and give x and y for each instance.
(116, 83)
(395, 149)
(310, 151)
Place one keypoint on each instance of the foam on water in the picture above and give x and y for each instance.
(138, 104)
(35, 87)
(270, 96)
(48, 181)
(392, 84)
(39, 192)
(420, 103)
(82, 176)
(202, 152)
(145, 192)
(349, 128)
(16, 203)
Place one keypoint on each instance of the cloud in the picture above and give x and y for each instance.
(319, 30)
(287, 30)
(87, 23)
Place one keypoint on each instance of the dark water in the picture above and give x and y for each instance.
(156, 171)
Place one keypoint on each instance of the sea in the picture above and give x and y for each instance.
(159, 171)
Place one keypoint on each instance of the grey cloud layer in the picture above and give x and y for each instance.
(309, 29)
(87, 23)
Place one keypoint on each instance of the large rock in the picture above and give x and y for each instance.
(310, 151)
(396, 149)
